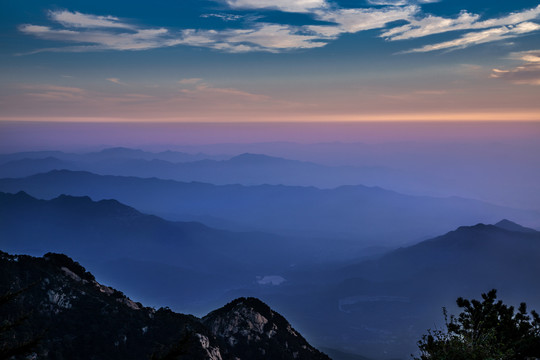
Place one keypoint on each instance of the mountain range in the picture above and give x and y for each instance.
(376, 306)
(119, 153)
(122, 245)
(387, 302)
(244, 169)
(369, 215)
(416, 168)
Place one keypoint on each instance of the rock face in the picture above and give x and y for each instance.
(55, 302)
(254, 331)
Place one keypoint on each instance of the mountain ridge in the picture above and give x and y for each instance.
(385, 304)
(64, 296)
(344, 212)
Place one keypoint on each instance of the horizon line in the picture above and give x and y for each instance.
(458, 117)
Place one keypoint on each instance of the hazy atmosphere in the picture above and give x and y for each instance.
(336, 169)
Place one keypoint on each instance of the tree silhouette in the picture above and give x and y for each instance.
(484, 330)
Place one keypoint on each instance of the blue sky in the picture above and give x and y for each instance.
(245, 60)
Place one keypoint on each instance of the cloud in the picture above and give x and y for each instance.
(355, 20)
(480, 37)
(388, 2)
(190, 81)
(87, 32)
(208, 90)
(54, 92)
(224, 17)
(198, 86)
(77, 19)
(116, 81)
(431, 25)
(526, 74)
(126, 38)
(300, 6)
(262, 37)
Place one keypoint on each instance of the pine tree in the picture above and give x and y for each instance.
(484, 330)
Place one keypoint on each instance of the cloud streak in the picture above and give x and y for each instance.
(116, 81)
(481, 37)
(262, 37)
(89, 32)
(299, 6)
(526, 74)
(431, 25)
(94, 33)
(79, 20)
(356, 20)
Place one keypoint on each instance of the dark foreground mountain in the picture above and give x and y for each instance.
(71, 316)
(369, 214)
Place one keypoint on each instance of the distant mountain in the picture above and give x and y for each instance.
(56, 302)
(29, 166)
(504, 172)
(380, 307)
(370, 215)
(245, 169)
(124, 246)
(111, 153)
(512, 226)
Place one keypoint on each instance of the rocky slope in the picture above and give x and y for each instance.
(54, 302)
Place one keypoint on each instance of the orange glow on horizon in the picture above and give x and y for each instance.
(532, 116)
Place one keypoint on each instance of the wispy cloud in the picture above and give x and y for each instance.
(102, 40)
(480, 37)
(54, 92)
(94, 33)
(526, 74)
(192, 98)
(355, 20)
(87, 32)
(431, 25)
(206, 90)
(283, 5)
(388, 2)
(190, 81)
(261, 37)
(77, 19)
(224, 17)
(116, 81)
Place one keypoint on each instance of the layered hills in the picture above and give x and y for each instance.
(376, 307)
(123, 246)
(369, 215)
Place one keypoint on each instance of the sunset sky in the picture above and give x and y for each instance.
(270, 60)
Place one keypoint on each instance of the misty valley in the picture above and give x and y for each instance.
(355, 246)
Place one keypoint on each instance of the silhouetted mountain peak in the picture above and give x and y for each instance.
(120, 151)
(72, 199)
(254, 331)
(477, 227)
(19, 195)
(107, 207)
(249, 157)
(512, 226)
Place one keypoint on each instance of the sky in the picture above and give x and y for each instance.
(269, 60)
